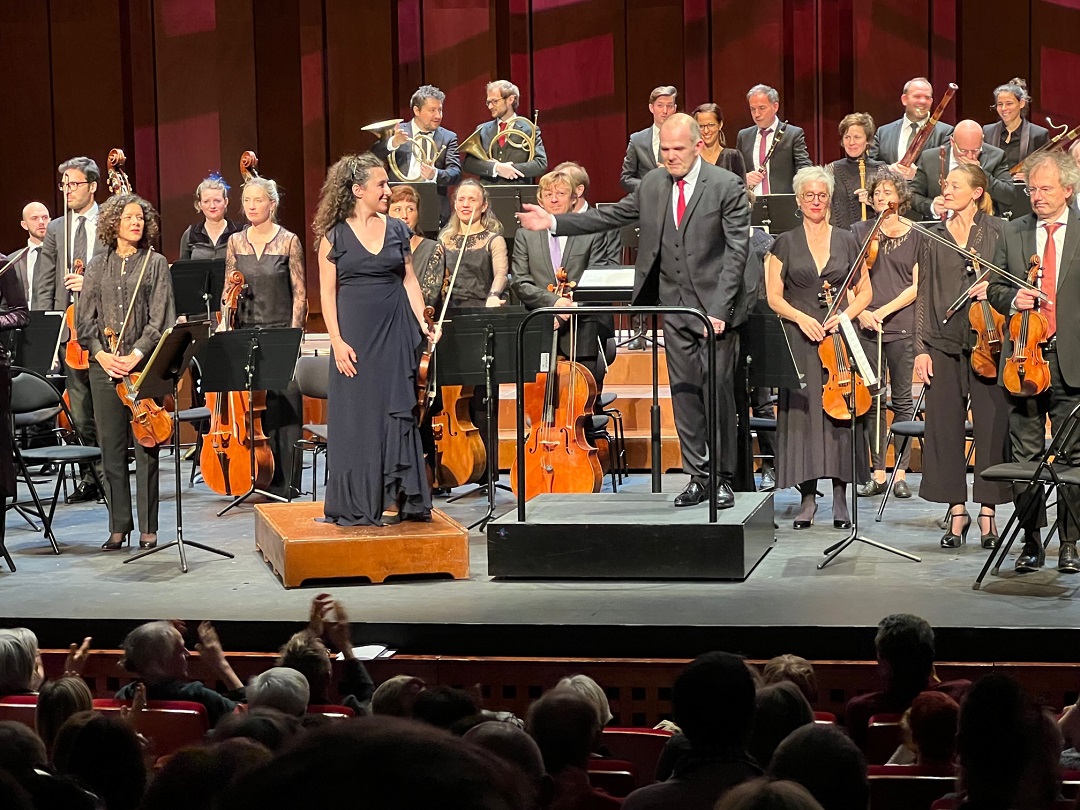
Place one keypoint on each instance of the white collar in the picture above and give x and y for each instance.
(1063, 219)
(771, 126)
(30, 245)
(691, 176)
(417, 128)
(91, 214)
(919, 124)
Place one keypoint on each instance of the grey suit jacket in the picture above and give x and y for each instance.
(1014, 250)
(715, 234)
(927, 183)
(447, 165)
(49, 292)
(790, 156)
(639, 160)
(886, 146)
(508, 153)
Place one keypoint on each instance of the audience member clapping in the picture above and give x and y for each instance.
(280, 688)
(104, 755)
(825, 761)
(713, 704)
(510, 743)
(768, 794)
(780, 709)
(794, 669)
(57, 701)
(395, 696)
(195, 777)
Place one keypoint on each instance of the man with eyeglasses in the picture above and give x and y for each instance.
(510, 161)
(965, 145)
(78, 181)
(643, 151)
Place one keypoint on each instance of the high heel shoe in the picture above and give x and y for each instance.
(804, 524)
(950, 540)
(988, 539)
(148, 540)
(116, 542)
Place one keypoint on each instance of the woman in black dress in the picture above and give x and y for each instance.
(14, 314)
(374, 312)
(484, 273)
(852, 172)
(429, 261)
(810, 444)
(271, 260)
(209, 239)
(710, 119)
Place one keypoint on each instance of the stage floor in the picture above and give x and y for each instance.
(786, 605)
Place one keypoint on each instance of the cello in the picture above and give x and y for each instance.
(558, 458)
(1026, 372)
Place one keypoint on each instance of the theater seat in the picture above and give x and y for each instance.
(20, 708)
(168, 724)
(883, 737)
(641, 746)
(617, 777)
(908, 787)
(825, 718)
(331, 710)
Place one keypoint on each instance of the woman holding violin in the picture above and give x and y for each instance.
(374, 312)
(271, 261)
(810, 443)
(429, 261)
(1014, 132)
(126, 305)
(710, 119)
(944, 361)
(851, 200)
(209, 239)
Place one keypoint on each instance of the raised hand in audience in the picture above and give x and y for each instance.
(339, 632)
(77, 656)
(211, 652)
(320, 606)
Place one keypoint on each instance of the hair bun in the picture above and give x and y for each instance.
(1018, 82)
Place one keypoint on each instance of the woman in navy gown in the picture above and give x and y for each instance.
(373, 308)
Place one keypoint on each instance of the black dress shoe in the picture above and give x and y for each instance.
(901, 489)
(768, 479)
(725, 497)
(870, 489)
(691, 496)
(1068, 559)
(636, 345)
(841, 524)
(1032, 556)
(84, 493)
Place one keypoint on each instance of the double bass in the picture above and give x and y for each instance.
(558, 458)
(1026, 372)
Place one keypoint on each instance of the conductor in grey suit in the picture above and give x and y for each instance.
(510, 160)
(445, 170)
(643, 151)
(894, 137)
(771, 174)
(695, 234)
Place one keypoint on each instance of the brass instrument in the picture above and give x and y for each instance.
(1065, 135)
(424, 149)
(517, 138)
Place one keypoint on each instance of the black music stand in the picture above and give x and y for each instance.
(35, 345)
(478, 348)
(506, 203)
(430, 207)
(161, 376)
(776, 213)
(252, 360)
(197, 286)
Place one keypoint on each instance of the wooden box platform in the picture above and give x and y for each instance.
(299, 547)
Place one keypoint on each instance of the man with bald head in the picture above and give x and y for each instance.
(695, 234)
(892, 140)
(35, 220)
(965, 145)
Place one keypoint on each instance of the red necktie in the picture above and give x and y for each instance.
(761, 160)
(1049, 271)
(680, 205)
(502, 133)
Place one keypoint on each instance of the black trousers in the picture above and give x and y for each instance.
(898, 358)
(1027, 430)
(113, 420)
(944, 477)
(82, 408)
(687, 361)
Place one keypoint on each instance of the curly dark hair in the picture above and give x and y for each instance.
(108, 224)
(903, 190)
(336, 200)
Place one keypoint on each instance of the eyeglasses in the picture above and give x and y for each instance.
(1042, 190)
(974, 153)
(72, 185)
(708, 127)
(810, 196)
(493, 102)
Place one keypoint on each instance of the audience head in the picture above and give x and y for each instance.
(565, 727)
(768, 794)
(780, 708)
(155, 651)
(395, 696)
(35, 220)
(268, 727)
(21, 669)
(104, 756)
(713, 701)
(281, 688)
(510, 743)
(905, 650)
(195, 777)
(21, 750)
(796, 670)
(443, 706)
(305, 653)
(825, 761)
(932, 721)
(57, 701)
(592, 692)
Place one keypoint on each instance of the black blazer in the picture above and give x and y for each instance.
(715, 234)
(639, 160)
(50, 293)
(790, 156)
(927, 183)
(447, 165)
(19, 269)
(1013, 252)
(886, 146)
(1032, 136)
(508, 153)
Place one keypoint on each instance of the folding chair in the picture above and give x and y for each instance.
(313, 379)
(1047, 470)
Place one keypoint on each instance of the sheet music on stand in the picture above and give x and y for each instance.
(506, 201)
(606, 285)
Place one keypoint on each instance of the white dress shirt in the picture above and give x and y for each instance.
(691, 178)
(905, 134)
(656, 143)
(33, 253)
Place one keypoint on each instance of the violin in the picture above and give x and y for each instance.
(151, 425)
(460, 457)
(558, 458)
(988, 325)
(843, 385)
(74, 354)
(1026, 372)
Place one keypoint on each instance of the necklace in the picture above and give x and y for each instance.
(128, 254)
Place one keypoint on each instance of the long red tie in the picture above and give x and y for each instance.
(502, 133)
(1049, 270)
(761, 160)
(680, 205)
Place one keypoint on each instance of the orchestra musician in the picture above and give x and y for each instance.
(894, 137)
(429, 262)
(851, 201)
(643, 150)
(1051, 231)
(965, 145)
(427, 109)
(771, 174)
(78, 181)
(943, 361)
(271, 260)
(891, 316)
(511, 162)
(127, 290)
(580, 178)
(209, 239)
(711, 120)
(374, 313)
(538, 254)
(1014, 133)
(35, 221)
(692, 215)
(811, 444)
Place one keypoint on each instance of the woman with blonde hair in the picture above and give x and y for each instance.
(209, 239)
(474, 232)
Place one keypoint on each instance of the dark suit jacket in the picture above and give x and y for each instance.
(19, 269)
(507, 153)
(1014, 250)
(789, 157)
(715, 233)
(886, 146)
(639, 161)
(447, 165)
(1032, 136)
(927, 183)
(52, 265)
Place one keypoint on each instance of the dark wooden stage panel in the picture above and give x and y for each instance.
(630, 536)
